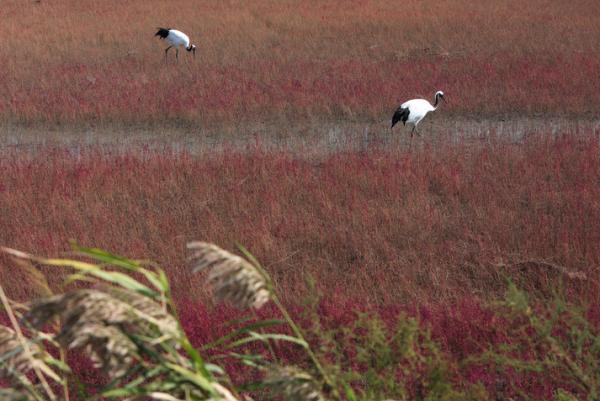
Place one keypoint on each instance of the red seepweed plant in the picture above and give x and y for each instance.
(437, 223)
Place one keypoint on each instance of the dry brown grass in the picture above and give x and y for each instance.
(236, 33)
(72, 62)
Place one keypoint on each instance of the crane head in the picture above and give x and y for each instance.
(192, 49)
(440, 94)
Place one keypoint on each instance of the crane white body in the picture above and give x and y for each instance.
(413, 111)
(175, 39)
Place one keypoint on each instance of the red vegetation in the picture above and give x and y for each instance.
(431, 225)
(463, 330)
(434, 233)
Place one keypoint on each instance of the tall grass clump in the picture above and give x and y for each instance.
(555, 340)
(120, 315)
(125, 322)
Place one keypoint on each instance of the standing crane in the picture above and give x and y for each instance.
(413, 111)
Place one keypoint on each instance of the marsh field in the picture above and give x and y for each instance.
(277, 136)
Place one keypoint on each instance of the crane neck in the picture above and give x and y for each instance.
(437, 101)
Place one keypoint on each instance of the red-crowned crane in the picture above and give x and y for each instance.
(175, 39)
(413, 111)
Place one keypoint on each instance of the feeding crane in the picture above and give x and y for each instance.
(175, 39)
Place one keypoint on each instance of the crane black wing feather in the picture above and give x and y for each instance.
(162, 32)
(400, 115)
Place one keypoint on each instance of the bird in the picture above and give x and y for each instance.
(176, 39)
(413, 111)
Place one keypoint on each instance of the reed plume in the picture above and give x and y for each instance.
(104, 323)
(232, 278)
(14, 363)
(150, 312)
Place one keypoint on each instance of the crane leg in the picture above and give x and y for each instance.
(416, 130)
(166, 52)
(177, 54)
